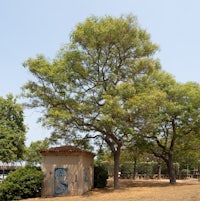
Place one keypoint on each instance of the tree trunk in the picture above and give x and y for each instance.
(159, 171)
(116, 167)
(171, 170)
(135, 168)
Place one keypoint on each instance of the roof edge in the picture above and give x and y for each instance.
(65, 149)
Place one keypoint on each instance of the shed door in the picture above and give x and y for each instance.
(60, 181)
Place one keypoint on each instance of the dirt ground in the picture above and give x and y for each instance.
(140, 190)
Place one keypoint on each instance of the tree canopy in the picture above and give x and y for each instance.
(12, 130)
(171, 120)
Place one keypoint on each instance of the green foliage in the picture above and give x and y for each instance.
(169, 119)
(33, 156)
(12, 130)
(185, 173)
(100, 176)
(90, 84)
(104, 155)
(148, 168)
(21, 184)
(127, 169)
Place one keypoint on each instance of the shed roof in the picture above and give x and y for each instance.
(65, 149)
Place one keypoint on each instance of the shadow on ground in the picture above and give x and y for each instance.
(126, 183)
(130, 183)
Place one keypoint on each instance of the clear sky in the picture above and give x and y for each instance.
(30, 27)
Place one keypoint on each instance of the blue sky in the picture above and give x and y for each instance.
(30, 27)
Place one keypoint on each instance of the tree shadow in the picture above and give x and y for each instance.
(130, 183)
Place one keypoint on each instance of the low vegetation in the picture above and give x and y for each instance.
(100, 176)
(22, 183)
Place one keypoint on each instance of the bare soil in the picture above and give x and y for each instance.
(139, 190)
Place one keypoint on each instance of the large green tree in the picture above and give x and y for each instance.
(91, 82)
(170, 120)
(12, 130)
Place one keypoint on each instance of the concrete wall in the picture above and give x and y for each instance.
(67, 174)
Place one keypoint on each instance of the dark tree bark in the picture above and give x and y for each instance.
(159, 170)
(116, 167)
(116, 150)
(135, 168)
(171, 170)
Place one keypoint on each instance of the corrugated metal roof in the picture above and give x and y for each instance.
(65, 149)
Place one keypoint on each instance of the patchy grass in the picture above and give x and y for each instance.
(140, 190)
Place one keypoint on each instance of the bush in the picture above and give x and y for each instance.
(100, 176)
(21, 184)
(184, 173)
(127, 169)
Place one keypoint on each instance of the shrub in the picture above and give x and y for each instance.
(184, 173)
(100, 176)
(21, 184)
(127, 169)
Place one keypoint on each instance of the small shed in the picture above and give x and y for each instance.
(67, 170)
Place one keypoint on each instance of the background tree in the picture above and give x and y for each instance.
(12, 130)
(76, 139)
(32, 155)
(188, 153)
(88, 86)
(132, 152)
(172, 120)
